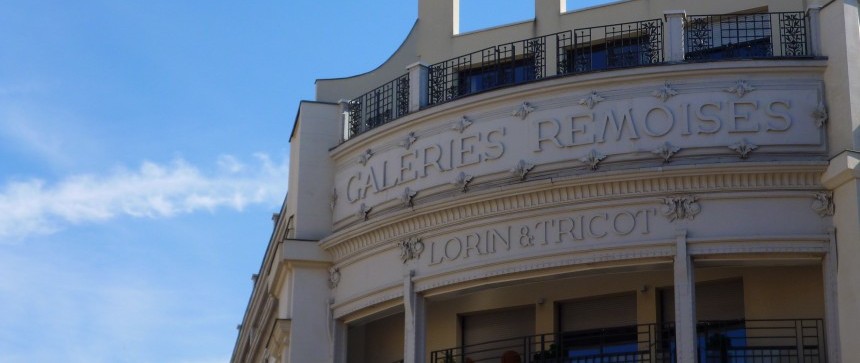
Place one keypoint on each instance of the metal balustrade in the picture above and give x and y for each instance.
(379, 106)
(611, 46)
(577, 51)
(490, 68)
(730, 341)
(627, 344)
(762, 35)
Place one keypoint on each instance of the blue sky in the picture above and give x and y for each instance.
(144, 146)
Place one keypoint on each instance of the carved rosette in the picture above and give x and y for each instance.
(407, 141)
(407, 198)
(680, 207)
(592, 159)
(743, 148)
(666, 151)
(462, 180)
(410, 249)
(664, 93)
(820, 115)
(591, 100)
(522, 169)
(823, 204)
(523, 111)
(363, 212)
(741, 88)
(461, 124)
(333, 277)
(365, 157)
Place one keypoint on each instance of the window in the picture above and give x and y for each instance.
(494, 75)
(599, 328)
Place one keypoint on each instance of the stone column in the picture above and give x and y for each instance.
(340, 343)
(413, 303)
(685, 301)
(831, 308)
(418, 95)
(674, 46)
(814, 14)
(344, 113)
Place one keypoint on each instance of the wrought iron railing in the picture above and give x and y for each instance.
(636, 343)
(711, 37)
(493, 67)
(795, 341)
(611, 46)
(383, 104)
(708, 37)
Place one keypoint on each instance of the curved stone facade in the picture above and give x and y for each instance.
(661, 210)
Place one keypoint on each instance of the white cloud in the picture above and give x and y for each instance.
(34, 207)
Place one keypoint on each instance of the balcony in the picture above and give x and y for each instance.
(578, 51)
(736, 341)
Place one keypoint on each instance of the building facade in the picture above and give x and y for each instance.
(644, 181)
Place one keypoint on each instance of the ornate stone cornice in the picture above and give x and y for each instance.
(753, 177)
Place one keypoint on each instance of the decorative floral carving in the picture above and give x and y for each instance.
(680, 207)
(461, 124)
(743, 148)
(664, 93)
(407, 197)
(333, 277)
(592, 99)
(823, 204)
(365, 157)
(820, 115)
(410, 249)
(592, 159)
(522, 169)
(666, 151)
(740, 88)
(364, 212)
(523, 111)
(462, 180)
(333, 199)
(408, 140)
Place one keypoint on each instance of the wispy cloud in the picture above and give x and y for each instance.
(153, 190)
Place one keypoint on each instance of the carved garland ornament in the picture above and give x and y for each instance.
(680, 207)
(333, 199)
(364, 212)
(740, 88)
(461, 124)
(462, 180)
(664, 93)
(410, 249)
(591, 100)
(522, 169)
(592, 159)
(823, 204)
(523, 111)
(820, 115)
(407, 197)
(333, 277)
(365, 157)
(743, 148)
(666, 151)
(408, 140)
